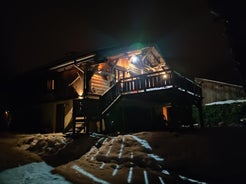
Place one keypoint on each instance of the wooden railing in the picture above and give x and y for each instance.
(147, 82)
(109, 97)
(99, 105)
(185, 84)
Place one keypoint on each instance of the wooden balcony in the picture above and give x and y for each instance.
(96, 106)
(147, 83)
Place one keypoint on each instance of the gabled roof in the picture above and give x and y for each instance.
(201, 80)
(99, 55)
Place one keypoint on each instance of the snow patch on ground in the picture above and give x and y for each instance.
(125, 158)
(36, 172)
(226, 102)
(44, 144)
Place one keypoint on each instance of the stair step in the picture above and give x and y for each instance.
(80, 118)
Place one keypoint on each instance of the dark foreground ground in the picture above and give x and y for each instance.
(213, 155)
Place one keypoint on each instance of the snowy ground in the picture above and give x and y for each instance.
(125, 158)
(35, 172)
(144, 157)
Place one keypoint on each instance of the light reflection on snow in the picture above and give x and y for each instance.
(100, 142)
(121, 147)
(121, 141)
(109, 150)
(146, 180)
(96, 135)
(191, 180)
(131, 155)
(102, 165)
(93, 157)
(144, 143)
(129, 179)
(165, 172)
(105, 148)
(115, 170)
(156, 157)
(161, 180)
(89, 175)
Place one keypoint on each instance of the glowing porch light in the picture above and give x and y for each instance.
(134, 59)
(6, 113)
(165, 76)
(79, 91)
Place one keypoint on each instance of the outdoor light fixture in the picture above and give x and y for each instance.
(134, 59)
(80, 93)
(165, 76)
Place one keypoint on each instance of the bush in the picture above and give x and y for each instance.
(226, 114)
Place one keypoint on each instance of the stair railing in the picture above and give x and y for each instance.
(144, 82)
(109, 97)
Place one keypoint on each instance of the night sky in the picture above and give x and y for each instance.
(192, 39)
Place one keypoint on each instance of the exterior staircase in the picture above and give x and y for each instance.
(94, 107)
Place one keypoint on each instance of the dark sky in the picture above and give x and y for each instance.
(35, 33)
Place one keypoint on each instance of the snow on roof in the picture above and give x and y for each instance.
(218, 82)
(226, 102)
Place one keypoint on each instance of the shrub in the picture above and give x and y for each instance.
(226, 114)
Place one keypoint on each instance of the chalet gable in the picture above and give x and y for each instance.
(96, 72)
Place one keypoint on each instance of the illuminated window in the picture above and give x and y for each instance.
(50, 85)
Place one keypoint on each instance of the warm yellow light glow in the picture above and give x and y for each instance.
(6, 112)
(68, 116)
(123, 62)
(78, 86)
(165, 75)
(165, 113)
(101, 66)
(79, 91)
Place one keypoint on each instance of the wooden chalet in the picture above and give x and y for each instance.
(114, 90)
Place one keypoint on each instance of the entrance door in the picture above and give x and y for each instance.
(165, 112)
(60, 115)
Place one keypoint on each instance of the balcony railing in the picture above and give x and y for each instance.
(142, 83)
(157, 81)
(149, 82)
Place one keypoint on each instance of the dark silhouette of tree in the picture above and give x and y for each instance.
(233, 14)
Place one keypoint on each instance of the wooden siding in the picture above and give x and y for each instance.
(99, 84)
(213, 91)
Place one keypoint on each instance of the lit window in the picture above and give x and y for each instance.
(51, 85)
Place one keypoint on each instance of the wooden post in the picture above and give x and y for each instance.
(100, 125)
(200, 113)
(74, 117)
